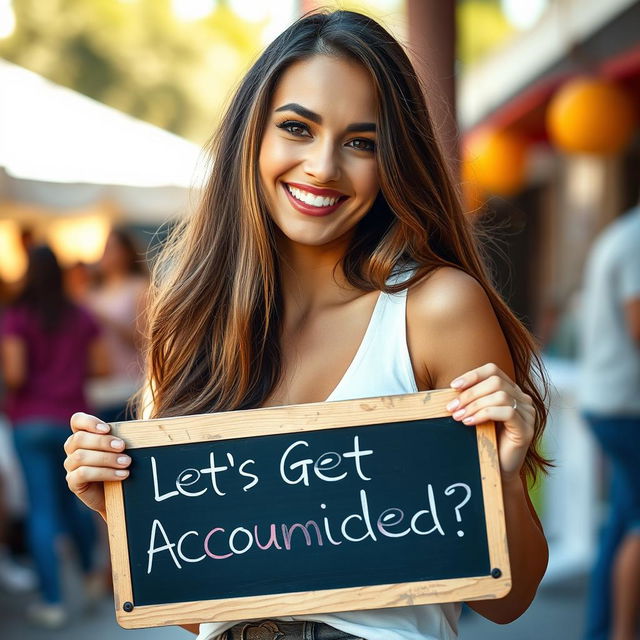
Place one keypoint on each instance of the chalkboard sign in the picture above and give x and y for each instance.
(368, 503)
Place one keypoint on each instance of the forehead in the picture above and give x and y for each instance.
(330, 86)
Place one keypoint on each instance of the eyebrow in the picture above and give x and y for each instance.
(317, 118)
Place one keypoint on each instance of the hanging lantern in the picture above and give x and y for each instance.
(473, 195)
(496, 160)
(591, 115)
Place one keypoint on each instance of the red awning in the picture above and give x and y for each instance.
(526, 111)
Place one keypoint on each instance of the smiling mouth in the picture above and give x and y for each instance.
(312, 200)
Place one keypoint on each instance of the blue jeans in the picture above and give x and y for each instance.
(619, 437)
(53, 509)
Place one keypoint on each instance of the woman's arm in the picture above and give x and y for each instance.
(193, 628)
(528, 555)
(453, 333)
(92, 458)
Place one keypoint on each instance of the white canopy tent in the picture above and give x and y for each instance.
(61, 150)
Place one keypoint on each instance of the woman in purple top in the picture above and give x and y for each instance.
(49, 347)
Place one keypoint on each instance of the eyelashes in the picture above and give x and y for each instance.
(364, 144)
(290, 125)
(301, 130)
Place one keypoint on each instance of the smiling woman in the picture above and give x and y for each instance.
(321, 132)
(330, 259)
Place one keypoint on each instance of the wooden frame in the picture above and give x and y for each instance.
(293, 419)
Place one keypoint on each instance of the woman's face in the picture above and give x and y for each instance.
(317, 163)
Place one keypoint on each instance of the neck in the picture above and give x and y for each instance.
(312, 278)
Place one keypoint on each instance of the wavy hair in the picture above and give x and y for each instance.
(215, 316)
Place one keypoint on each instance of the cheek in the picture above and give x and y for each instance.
(276, 157)
(367, 180)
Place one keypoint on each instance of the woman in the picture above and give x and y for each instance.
(118, 303)
(49, 347)
(329, 260)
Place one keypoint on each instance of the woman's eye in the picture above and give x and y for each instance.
(294, 128)
(362, 144)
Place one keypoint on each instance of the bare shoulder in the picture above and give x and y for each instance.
(452, 327)
(445, 294)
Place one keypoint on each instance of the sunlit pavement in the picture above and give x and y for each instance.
(556, 614)
(98, 624)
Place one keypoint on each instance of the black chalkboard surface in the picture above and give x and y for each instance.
(323, 507)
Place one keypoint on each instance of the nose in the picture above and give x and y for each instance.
(322, 162)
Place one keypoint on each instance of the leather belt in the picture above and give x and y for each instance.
(279, 630)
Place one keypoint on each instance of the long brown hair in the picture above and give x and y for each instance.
(215, 318)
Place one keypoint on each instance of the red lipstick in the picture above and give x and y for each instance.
(309, 209)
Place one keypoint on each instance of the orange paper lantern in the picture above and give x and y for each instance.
(591, 115)
(473, 195)
(497, 160)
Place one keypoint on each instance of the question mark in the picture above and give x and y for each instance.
(450, 490)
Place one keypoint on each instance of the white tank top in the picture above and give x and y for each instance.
(381, 366)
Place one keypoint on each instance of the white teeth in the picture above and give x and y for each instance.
(310, 198)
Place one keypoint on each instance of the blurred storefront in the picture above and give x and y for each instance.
(70, 168)
(551, 154)
(567, 95)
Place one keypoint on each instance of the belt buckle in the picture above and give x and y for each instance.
(265, 630)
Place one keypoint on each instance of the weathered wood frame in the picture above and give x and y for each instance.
(293, 419)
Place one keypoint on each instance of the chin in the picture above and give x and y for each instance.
(319, 232)
(308, 237)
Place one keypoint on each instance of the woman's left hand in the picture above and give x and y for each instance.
(487, 393)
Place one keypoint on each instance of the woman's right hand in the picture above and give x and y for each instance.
(93, 456)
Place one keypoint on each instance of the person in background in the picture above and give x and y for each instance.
(118, 302)
(27, 239)
(609, 396)
(77, 281)
(14, 577)
(48, 348)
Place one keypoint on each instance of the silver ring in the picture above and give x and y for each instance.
(515, 404)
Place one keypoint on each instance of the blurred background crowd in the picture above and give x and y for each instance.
(105, 106)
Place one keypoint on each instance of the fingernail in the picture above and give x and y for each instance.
(116, 444)
(458, 414)
(457, 383)
(453, 404)
(468, 420)
(122, 473)
(102, 427)
(123, 459)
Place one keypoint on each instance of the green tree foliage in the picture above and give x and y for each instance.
(482, 28)
(137, 57)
